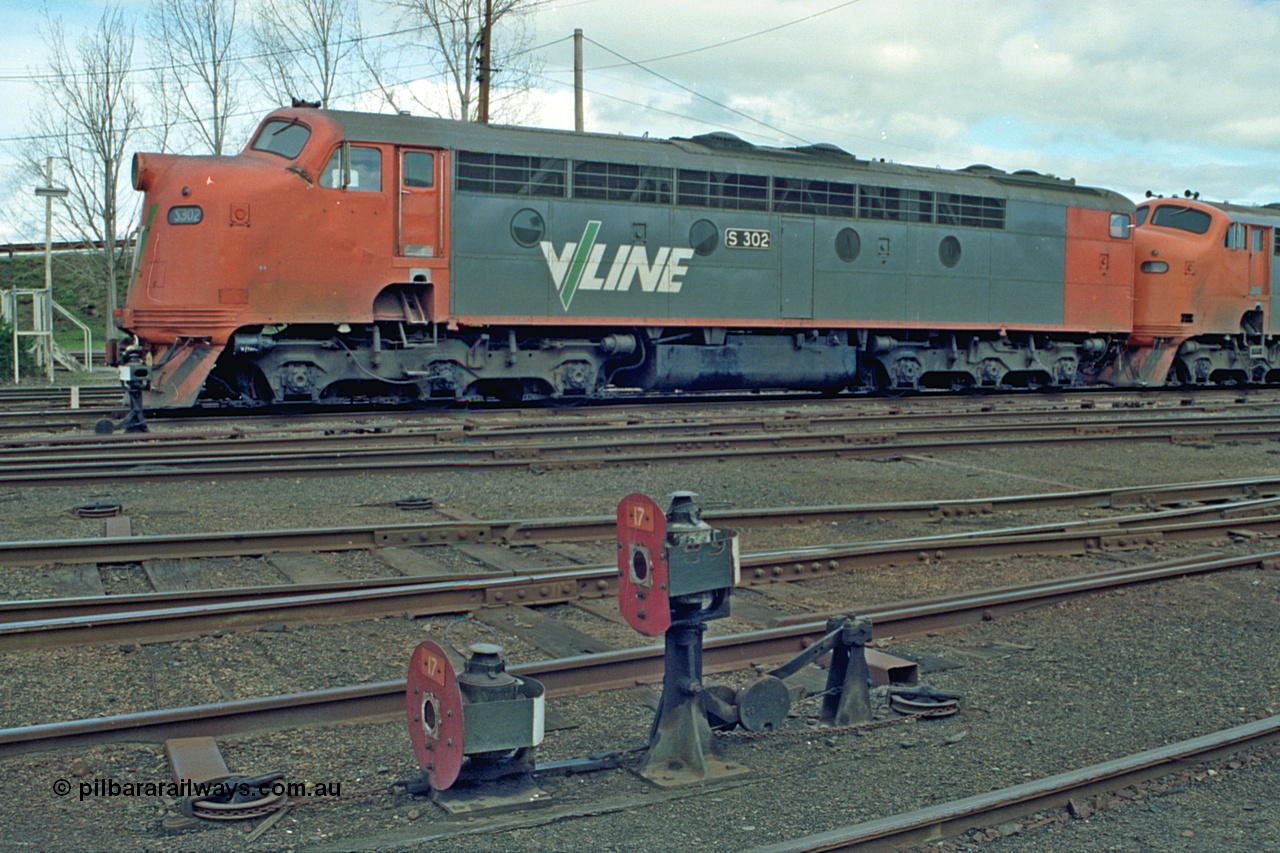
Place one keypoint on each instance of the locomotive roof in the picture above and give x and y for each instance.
(718, 152)
(1267, 215)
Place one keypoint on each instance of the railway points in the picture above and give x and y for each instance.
(957, 509)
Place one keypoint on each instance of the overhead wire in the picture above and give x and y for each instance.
(626, 62)
(734, 40)
(698, 94)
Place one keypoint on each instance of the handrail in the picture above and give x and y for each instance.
(86, 334)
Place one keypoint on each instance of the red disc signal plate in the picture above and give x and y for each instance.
(643, 595)
(435, 715)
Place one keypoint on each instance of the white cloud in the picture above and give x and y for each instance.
(1158, 94)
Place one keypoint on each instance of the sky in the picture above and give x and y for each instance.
(1142, 95)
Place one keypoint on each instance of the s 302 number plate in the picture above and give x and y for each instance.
(746, 238)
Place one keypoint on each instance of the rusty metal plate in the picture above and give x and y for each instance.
(434, 705)
(642, 565)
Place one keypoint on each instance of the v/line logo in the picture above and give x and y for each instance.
(578, 266)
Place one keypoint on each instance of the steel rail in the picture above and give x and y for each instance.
(97, 401)
(933, 823)
(302, 441)
(131, 549)
(154, 617)
(498, 456)
(1061, 398)
(584, 673)
(18, 413)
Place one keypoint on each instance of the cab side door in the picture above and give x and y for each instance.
(422, 228)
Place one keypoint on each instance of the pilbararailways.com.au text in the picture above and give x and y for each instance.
(223, 790)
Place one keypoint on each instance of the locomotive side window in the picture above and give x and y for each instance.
(896, 204)
(365, 170)
(820, 198)
(1256, 235)
(1140, 218)
(971, 210)
(1235, 238)
(1276, 251)
(723, 190)
(1183, 218)
(419, 169)
(621, 182)
(285, 138)
(510, 174)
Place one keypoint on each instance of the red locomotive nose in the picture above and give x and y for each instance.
(148, 167)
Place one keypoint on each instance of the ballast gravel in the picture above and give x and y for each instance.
(1044, 691)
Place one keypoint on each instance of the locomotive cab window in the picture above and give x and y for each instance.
(1183, 218)
(363, 172)
(285, 138)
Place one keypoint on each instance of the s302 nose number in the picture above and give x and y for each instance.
(746, 238)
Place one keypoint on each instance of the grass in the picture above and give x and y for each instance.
(75, 288)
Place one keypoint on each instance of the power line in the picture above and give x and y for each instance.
(697, 94)
(627, 62)
(734, 40)
(27, 77)
(651, 108)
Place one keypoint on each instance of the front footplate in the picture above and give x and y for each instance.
(178, 376)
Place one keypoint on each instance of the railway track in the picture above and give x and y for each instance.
(622, 670)
(64, 409)
(517, 532)
(566, 678)
(613, 670)
(948, 820)
(1245, 503)
(58, 397)
(577, 446)
(149, 617)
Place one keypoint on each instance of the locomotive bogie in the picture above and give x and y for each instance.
(360, 363)
(964, 362)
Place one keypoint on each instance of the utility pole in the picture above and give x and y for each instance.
(577, 80)
(486, 40)
(42, 308)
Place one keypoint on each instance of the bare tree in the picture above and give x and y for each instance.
(86, 120)
(199, 73)
(304, 45)
(449, 32)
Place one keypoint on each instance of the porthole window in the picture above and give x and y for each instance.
(949, 251)
(848, 245)
(528, 227)
(704, 237)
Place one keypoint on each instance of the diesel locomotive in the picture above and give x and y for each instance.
(344, 255)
